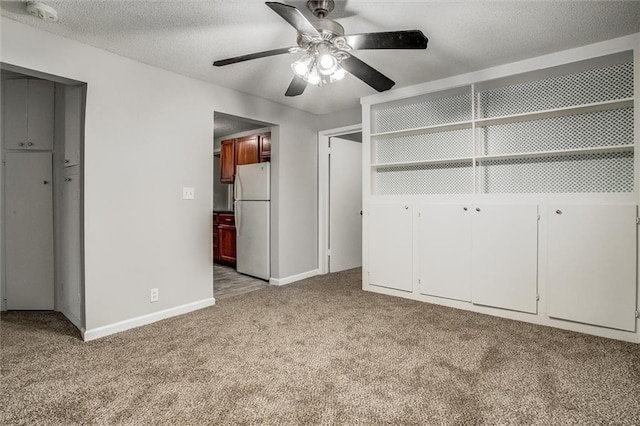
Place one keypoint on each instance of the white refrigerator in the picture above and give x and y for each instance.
(252, 194)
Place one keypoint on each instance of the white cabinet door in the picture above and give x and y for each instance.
(444, 250)
(40, 114)
(72, 125)
(390, 246)
(29, 231)
(505, 256)
(28, 114)
(70, 253)
(592, 264)
(14, 114)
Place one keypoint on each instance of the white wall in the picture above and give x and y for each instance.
(148, 134)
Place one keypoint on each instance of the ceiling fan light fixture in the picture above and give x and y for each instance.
(302, 67)
(327, 64)
(338, 74)
(313, 77)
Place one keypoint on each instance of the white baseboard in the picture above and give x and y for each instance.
(294, 278)
(106, 330)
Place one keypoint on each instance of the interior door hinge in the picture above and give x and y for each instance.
(537, 297)
(637, 314)
(329, 151)
(637, 220)
(328, 252)
(538, 216)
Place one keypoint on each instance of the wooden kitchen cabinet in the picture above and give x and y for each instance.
(265, 147)
(227, 238)
(227, 161)
(224, 238)
(247, 150)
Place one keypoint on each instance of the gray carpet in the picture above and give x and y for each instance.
(320, 351)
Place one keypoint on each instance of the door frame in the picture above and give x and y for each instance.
(323, 190)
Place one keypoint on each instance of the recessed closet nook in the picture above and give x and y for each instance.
(42, 140)
(511, 191)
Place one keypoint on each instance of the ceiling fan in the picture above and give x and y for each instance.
(328, 51)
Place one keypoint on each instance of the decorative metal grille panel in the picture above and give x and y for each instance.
(422, 147)
(424, 112)
(451, 178)
(602, 128)
(597, 173)
(598, 85)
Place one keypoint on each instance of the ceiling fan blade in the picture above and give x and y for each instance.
(411, 39)
(297, 86)
(294, 17)
(366, 73)
(243, 58)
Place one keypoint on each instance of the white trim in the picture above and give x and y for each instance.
(539, 319)
(107, 330)
(293, 278)
(323, 191)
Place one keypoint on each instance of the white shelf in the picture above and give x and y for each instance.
(427, 129)
(558, 112)
(564, 152)
(423, 162)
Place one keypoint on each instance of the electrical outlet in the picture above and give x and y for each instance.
(188, 193)
(155, 295)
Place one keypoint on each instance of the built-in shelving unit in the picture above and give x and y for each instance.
(573, 121)
(511, 191)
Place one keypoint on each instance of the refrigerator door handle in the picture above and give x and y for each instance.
(236, 183)
(236, 212)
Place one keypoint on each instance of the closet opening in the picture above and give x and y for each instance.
(42, 194)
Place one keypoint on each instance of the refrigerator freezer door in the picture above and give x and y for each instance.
(252, 182)
(253, 239)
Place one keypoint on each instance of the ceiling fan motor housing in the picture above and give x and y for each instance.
(320, 8)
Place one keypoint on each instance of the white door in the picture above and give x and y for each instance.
(444, 249)
(505, 256)
(70, 266)
(390, 233)
(592, 264)
(345, 205)
(29, 231)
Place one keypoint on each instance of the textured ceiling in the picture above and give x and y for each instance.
(187, 36)
(226, 125)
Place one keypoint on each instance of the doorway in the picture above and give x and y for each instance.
(241, 225)
(340, 199)
(41, 196)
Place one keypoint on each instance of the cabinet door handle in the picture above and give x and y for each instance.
(46, 182)
(465, 209)
(477, 209)
(29, 143)
(21, 144)
(67, 161)
(67, 179)
(406, 207)
(558, 211)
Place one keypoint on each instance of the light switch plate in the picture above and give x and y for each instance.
(188, 193)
